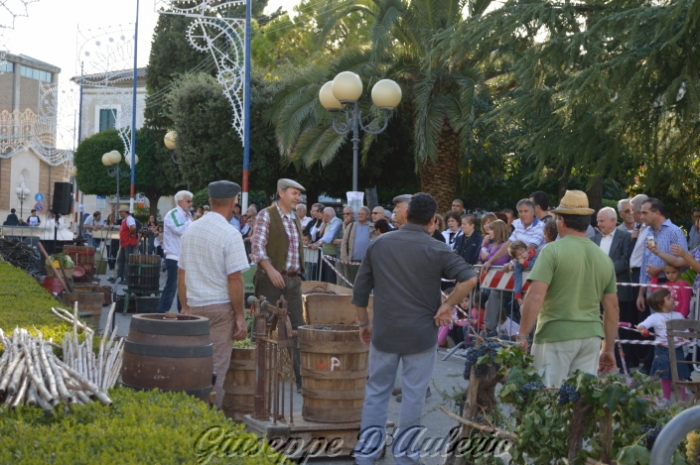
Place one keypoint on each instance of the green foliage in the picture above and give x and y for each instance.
(140, 427)
(542, 423)
(92, 174)
(600, 91)
(27, 305)
(316, 33)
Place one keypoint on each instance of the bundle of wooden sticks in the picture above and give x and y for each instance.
(31, 374)
(102, 369)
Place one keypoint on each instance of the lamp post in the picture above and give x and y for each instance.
(22, 193)
(170, 141)
(113, 159)
(343, 93)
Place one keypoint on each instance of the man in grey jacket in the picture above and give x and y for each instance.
(407, 313)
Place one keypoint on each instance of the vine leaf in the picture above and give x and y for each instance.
(634, 455)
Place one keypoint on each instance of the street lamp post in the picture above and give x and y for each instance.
(22, 193)
(170, 141)
(112, 161)
(343, 93)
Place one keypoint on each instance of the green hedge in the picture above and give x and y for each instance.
(148, 427)
(25, 304)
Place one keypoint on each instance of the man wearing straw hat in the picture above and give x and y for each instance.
(211, 261)
(569, 280)
(128, 240)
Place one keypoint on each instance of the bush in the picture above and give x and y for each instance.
(140, 427)
(27, 305)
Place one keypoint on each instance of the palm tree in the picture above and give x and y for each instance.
(403, 47)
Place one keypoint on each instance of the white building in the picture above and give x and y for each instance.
(106, 104)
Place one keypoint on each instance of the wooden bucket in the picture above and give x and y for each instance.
(329, 304)
(171, 353)
(333, 373)
(90, 302)
(144, 273)
(239, 386)
(90, 287)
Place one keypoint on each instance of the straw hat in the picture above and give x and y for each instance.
(574, 203)
(124, 208)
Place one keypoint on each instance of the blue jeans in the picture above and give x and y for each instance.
(518, 274)
(170, 290)
(415, 378)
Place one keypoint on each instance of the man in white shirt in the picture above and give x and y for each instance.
(640, 230)
(175, 223)
(210, 280)
(530, 230)
(92, 223)
(617, 245)
(301, 213)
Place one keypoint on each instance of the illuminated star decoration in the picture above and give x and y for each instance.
(222, 37)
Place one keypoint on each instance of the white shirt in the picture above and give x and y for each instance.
(606, 242)
(508, 327)
(532, 235)
(175, 223)
(638, 251)
(304, 221)
(446, 234)
(210, 250)
(657, 321)
(90, 221)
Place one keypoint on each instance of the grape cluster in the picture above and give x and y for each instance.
(652, 432)
(532, 387)
(567, 394)
(475, 353)
(323, 328)
(692, 447)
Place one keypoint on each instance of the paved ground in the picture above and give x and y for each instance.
(446, 379)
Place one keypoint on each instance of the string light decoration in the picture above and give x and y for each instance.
(220, 36)
(106, 56)
(11, 10)
(105, 53)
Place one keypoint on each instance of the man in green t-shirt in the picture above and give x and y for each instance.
(570, 279)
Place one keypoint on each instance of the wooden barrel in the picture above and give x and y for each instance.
(88, 302)
(239, 386)
(333, 373)
(144, 273)
(169, 352)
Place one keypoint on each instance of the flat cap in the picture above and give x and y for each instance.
(124, 208)
(403, 198)
(223, 189)
(285, 182)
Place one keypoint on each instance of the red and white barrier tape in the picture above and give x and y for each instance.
(342, 262)
(684, 342)
(328, 262)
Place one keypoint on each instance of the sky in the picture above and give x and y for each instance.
(58, 31)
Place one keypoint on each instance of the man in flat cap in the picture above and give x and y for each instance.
(210, 281)
(278, 252)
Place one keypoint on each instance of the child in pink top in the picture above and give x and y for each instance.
(680, 290)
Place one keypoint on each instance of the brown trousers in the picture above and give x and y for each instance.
(221, 324)
(292, 294)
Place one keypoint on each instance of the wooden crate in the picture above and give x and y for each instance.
(329, 304)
